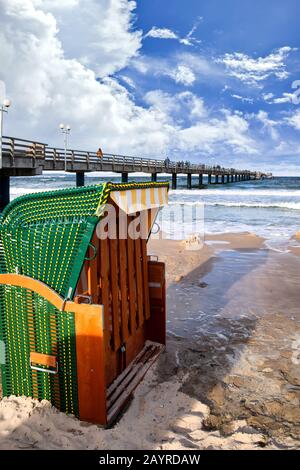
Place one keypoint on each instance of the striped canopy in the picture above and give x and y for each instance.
(137, 200)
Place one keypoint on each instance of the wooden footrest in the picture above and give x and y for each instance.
(120, 391)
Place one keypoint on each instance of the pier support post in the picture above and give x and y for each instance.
(200, 180)
(189, 180)
(124, 177)
(235, 178)
(228, 178)
(4, 191)
(79, 178)
(174, 180)
(153, 177)
(209, 179)
(223, 179)
(216, 179)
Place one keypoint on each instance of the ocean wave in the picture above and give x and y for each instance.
(272, 205)
(21, 191)
(237, 192)
(280, 205)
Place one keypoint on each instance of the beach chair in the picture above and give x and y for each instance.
(82, 305)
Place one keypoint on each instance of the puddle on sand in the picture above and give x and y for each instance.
(216, 242)
(225, 294)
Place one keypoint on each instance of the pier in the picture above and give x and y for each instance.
(21, 157)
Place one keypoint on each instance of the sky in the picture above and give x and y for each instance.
(211, 81)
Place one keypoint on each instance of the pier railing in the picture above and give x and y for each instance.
(14, 148)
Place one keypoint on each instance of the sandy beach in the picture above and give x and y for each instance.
(149, 230)
(229, 378)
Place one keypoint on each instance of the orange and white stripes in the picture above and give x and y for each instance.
(136, 200)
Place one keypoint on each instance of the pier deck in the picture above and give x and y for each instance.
(21, 157)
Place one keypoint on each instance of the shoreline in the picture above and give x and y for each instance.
(168, 250)
(229, 378)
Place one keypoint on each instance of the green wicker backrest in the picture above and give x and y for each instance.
(46, 235)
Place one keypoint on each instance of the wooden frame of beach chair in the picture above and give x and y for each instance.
(84, 348)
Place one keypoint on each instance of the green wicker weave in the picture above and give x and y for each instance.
(46, 235)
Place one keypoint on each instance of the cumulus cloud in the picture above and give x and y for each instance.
(194, 104)
(268, 97)
(184, 68)
(183, 104)
(294, 120)
(285, 98)
(49, 84)
(161, 33)
(203, 68)
(255, 70)
(243, 98)
(163, 103)
(56, 4)
(166, 33)
(269, 125)
(47, 88)
(209, 135)
(183, 74)
(128, 81)
(100, 34)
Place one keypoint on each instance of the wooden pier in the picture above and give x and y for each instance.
(22, 157)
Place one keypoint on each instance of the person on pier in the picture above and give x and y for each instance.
(99, 153)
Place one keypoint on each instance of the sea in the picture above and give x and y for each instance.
(269, 208)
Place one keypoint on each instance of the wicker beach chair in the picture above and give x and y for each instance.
(82, 313)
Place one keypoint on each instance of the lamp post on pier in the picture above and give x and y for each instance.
(3, 109)
(66, 130)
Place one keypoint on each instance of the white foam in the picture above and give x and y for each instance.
(282, 205)
(237, 192)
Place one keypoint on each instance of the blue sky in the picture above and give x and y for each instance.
(215, 80)
(254, 28)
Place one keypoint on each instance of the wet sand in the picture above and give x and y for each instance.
(230, 376)
(241, 304)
